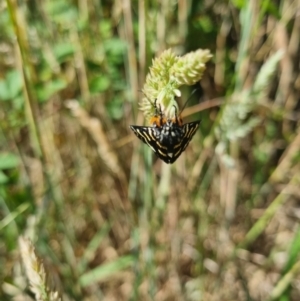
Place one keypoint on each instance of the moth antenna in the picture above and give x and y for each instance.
(141, 91)
(193, 92)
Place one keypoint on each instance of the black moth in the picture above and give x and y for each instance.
(168, 140)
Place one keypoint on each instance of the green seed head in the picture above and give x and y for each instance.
(167, 74)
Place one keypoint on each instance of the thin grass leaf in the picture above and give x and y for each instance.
(13, 215)
(285, 281)
(92, 247)
(264, 220)
(106, 270)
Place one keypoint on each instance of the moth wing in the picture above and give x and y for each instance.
(145, 134)
(189, 132)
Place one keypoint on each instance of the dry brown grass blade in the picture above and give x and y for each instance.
(142, 41)
(286, 161)
(183, 13)
(80, 66)
(197, 169)
(94, 128)
(129, 36)
(232, 184)
(161, 25)
(219, 75)
(203, 106)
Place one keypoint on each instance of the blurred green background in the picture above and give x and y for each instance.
(107, 218)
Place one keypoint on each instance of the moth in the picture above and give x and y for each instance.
(168, 138)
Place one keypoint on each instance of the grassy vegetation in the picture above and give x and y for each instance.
(87, 212)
